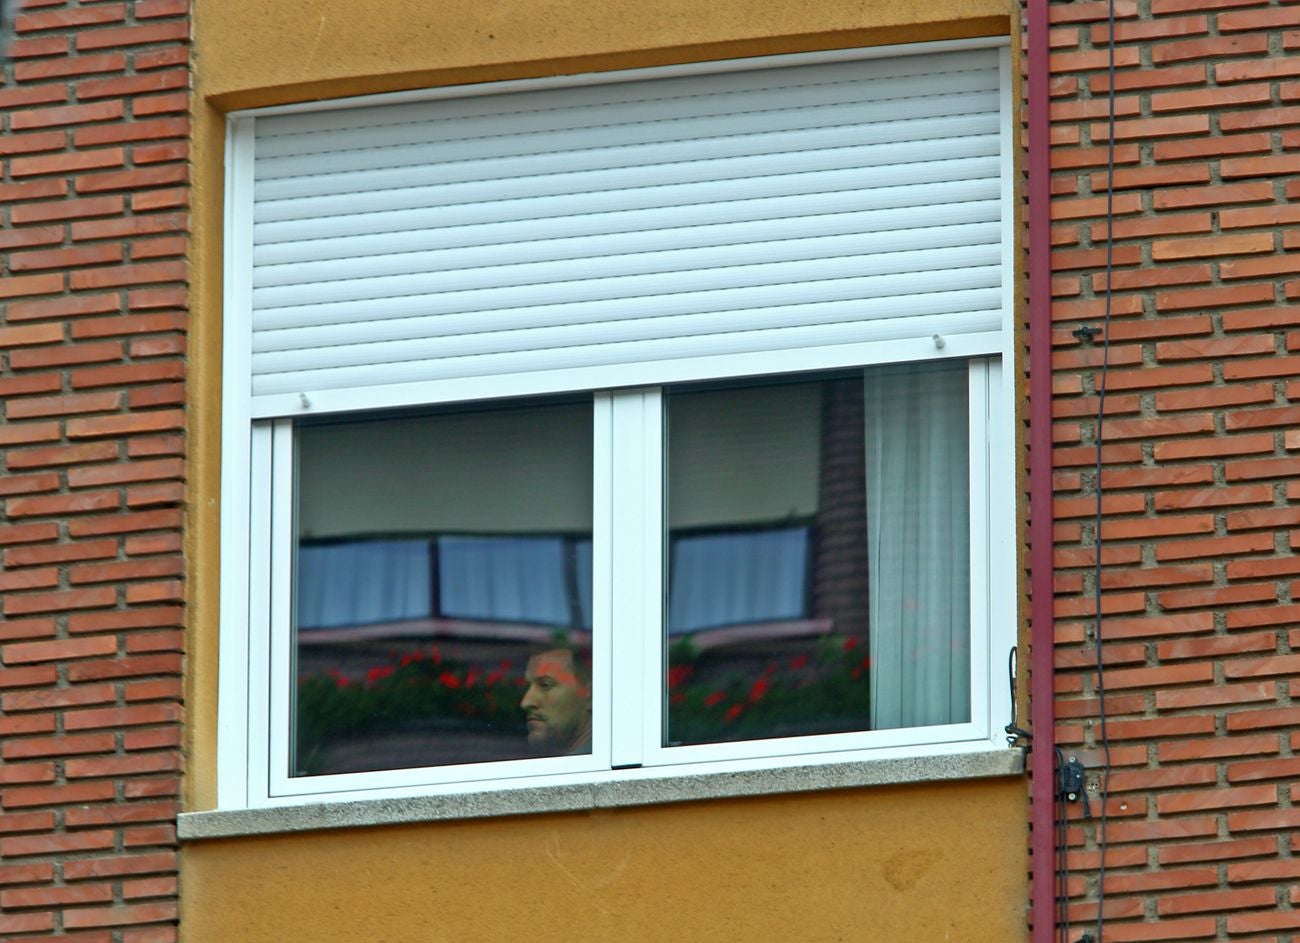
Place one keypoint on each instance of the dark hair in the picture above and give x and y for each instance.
(579, 656)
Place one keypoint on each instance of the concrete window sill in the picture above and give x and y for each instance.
(677, 787)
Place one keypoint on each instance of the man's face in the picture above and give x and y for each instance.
(556, 704)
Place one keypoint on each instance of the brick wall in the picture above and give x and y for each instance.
(93, 192)
(1201, 582)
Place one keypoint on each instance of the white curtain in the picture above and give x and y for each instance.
(918, 546)
(734, 578)
(507, 579)
(363, 582)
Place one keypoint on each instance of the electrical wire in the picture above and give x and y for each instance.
(1098, 638)
(1015, 733)
(1062, 854)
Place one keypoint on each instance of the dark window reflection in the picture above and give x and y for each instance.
(818, 569)
(443, 589)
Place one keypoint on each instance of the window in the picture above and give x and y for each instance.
(580, 430)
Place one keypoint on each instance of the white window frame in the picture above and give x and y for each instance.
(257, 544)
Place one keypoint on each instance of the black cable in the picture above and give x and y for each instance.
(1062, 852)
(1014, 732)
(1104, 778)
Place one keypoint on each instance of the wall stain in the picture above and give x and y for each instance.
(903, 869)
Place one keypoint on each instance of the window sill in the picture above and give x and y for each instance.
(982, 764)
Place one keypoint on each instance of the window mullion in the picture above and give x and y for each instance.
(279, 603)
(980, 485)
(636, 533)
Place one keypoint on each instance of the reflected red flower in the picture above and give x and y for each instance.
(677, 697)
(472, 677)
(799, 661)
(715, 698)
(734, 711)
(865, 663)
(851, 643)
(505, 664)
(855, 674)
(435, 656)
(449, 680)
(341, 681)
(757, 690)
(406, 660)
(679, 675)
(493, 678)
(378, 674)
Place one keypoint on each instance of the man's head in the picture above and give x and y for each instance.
(557, 702)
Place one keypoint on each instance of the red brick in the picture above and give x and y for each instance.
(49, 897)
(58, 795)
(111, 766)
(1217, 146)
(1139, 128)
(1253, 70)
(58, 650)
(1285, 871)
(124, 667)
(133, 179)
(125, 425)
(133, 84)
(131, 131)
(63, 307)
(1211, 98)
(84, 503)
(19, 604)
(1218, 747)
(65, 355)
(117, 865)
(1218, 693)
(1215, 901)
(65, 115)
(67, 209)
(132, 35)
(1216, 798)
(1212, 48)
(1262, 667)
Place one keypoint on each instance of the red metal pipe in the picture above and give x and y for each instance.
(1042, 785)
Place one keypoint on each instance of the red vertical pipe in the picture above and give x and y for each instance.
(1042, 786)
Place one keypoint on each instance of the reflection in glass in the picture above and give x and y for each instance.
(818, 563)
(442, 592)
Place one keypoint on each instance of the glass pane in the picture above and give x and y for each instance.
(442, 592)
(818, 561)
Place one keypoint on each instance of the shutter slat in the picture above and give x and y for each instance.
(898, 287)
(618, 354)
(906, 163)
(396, 341)
(357, 150)
(692, 269)
(426, 166)
(572, 107)
(657, 251)
(825, 214)
(688, 199)
(627, 225)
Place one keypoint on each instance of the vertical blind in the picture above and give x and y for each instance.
(631, 224)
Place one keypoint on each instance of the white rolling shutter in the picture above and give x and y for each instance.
(617, 230)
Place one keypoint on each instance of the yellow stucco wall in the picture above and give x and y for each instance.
(918, 863)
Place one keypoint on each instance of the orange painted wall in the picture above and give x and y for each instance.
(929, 862)
(916, 864)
